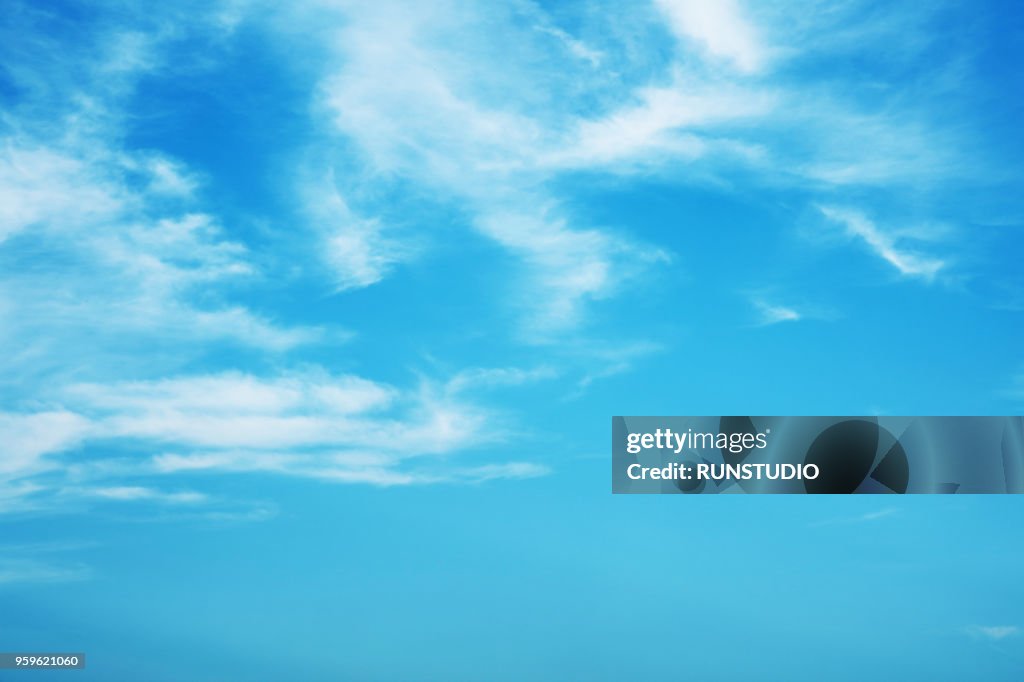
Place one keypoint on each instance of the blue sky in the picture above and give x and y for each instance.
(315, 315)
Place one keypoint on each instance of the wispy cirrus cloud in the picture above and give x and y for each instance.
(769, 313)
(312, 425)
(666, 124)
(774, 305)
(355, 248)
(722, 29)
(494, 133)
(573, 45)
(41, 563)
(885, 245)
(135, 493)
(100, 241)
(15, 571)
(880, 514)
(866, 517)
(420, 110)
(994, 633)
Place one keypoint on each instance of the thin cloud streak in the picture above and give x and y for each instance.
(770, 314)
(884, 245)
(994, 633)
(868, 517)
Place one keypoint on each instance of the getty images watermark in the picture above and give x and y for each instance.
(733, 443)
(817, 455)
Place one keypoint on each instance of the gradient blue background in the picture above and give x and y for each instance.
(470, 233)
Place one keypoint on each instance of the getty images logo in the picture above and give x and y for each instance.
(677, 441)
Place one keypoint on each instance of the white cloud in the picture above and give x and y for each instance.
(576, 47)
(880, 514)
(492, 130)
(909, 263)
(867, 517)
(506, 470)
(27, 438)
(312, 425)
(21, 570)
(359, 261)
(412, 106)
(663, 124)
(224, 460)
(718, 27)
(854, 148)
(994, 632)
(109, 258)
(167, 176)
(126, 493)
(427, 113)
(39, 562)
(485, 378)
(295, 411)
(773, 314)
(236, 394)
(42, 186)
(360, 468)
(355, 247)
(107, 246)
(609, 361)
(569, 267)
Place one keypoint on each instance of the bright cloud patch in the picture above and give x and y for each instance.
(718, 27)
(339, 428)
(773, 314)
(909, 263)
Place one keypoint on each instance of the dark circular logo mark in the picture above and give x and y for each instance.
(845, 453)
